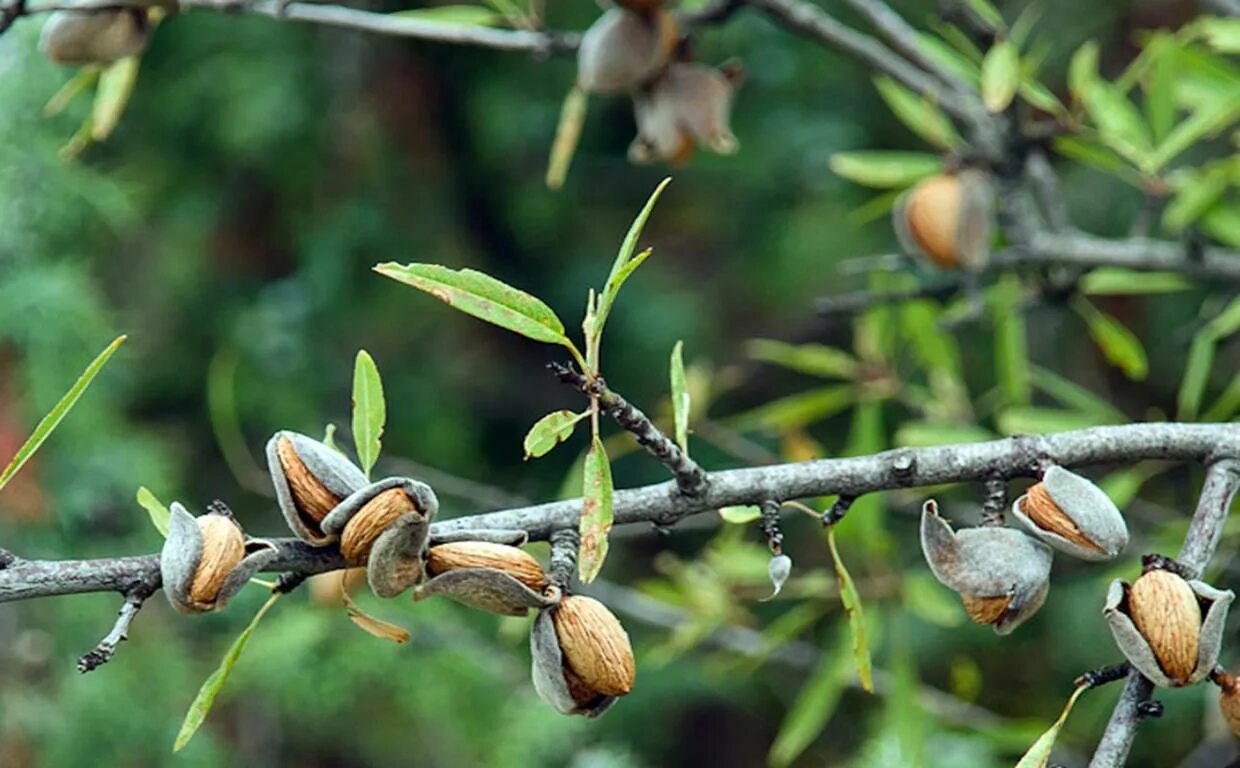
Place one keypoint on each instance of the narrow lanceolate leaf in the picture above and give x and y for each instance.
(201, 706)
(116, 83)
(464, 15)
(567, 134)
(856, 621)
(1115, 281)
(1083, 69)
(1000, 75)
(886, 170)
(1121, 346)
(83, 79)
(378, 627)
(814, 359)
(680, 397)
(155, 508)
(919, 115)
(550, 431)
(1196, 375)
(595, 512)
(52, 420)
(484, 297)
(626, 262)
(369, 410)
(1039, 755)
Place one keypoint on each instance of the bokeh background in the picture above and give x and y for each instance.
(229, 226)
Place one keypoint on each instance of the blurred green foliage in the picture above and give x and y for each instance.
(229, 224)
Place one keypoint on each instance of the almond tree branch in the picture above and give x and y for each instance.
(101, 654)
(664, 504)
(1222, 482)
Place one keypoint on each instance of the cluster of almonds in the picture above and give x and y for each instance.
(95, 36)
(1003, 574)
(1169, 628)
(636, 48)
(948, 219)
(582, 659)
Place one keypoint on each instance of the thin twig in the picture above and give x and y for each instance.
(903, 37)
(690, 478)
(101, 654)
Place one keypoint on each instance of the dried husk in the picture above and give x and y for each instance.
(310, 480)
(622, 50)
(396, 555)
(1164, 612)
(689, 106)
(200, 564)
(1073, 515)
(555, 684)
(94, 37)
(988, 563)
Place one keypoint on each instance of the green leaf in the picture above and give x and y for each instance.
(740, 515)
(1121, 346)
(1039, 754)
(918, 434)
(1221, 34)
(813, 707)
(202, 703)
(596, 512)
(1209, 120)
(116, 82)
(1083, 69)
(1226, 322)
(81, 80)
(885, 170)
(1120, 125)
(1228, 403)
(1196, 195)
(797, 410)
(1099, 157)
(1112, 281)
(680, 397)
(1011, 345)
(1000, 75)
(1160, 86)
(1223, 223)
(48, 423)
(987, 13)
(1022, 420)
(814, 359)
(919, 115)
(464, 15)
(567, 134)
(623, 266)
(484, 297)
(1075, 397)
(856, 620)
(550, 431)
(369, 411)
(155, 509)
(1196, 375)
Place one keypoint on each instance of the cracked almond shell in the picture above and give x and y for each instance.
(206, 560)
(310, 480)
(582, 660)
(1002, 574)
(690, 105)
(388, 522)
(1073, 515)
(1169, 628)
(623, 50)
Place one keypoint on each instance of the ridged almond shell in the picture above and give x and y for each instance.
(1042, 510)
(312, 498)
(1229, 701)
(1166, 613)
(932, 214)
(594, 646)
(371, 520)
(223, 546)
(986, 610)
(515, 562)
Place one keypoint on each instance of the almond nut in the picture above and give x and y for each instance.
(1229, 700)
(1166, 613)
(932, 214)
(513, 561)
(1042, 510)
(371, 520)
(312, 499)
(223, 546)
(986, 610)
(594, 645)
